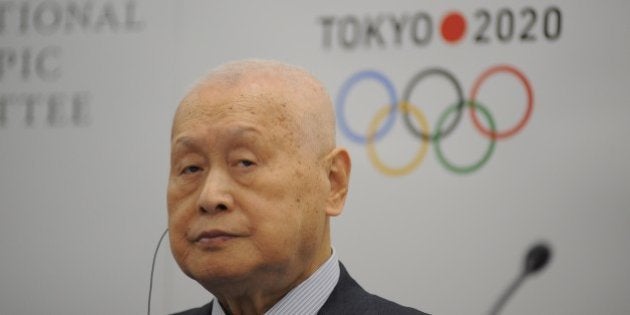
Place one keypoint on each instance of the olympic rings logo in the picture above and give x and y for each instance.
(378, 130)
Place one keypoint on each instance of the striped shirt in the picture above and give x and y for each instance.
(308, 297)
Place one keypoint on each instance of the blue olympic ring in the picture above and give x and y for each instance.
(341, 100)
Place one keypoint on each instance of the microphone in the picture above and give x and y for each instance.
(536, 259)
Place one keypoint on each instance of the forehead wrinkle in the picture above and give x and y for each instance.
(194, 110)
(272, 127)
(238, 131)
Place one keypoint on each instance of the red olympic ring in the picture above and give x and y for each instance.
(530, 102)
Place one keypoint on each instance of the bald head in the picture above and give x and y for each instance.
(289, 95)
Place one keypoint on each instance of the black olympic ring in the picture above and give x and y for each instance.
(407, 97)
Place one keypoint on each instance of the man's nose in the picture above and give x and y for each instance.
(216, 193)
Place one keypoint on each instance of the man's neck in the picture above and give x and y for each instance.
(259, 297)
(249, 305)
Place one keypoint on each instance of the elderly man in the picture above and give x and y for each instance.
(255, 177)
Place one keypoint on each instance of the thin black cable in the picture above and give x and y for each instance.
(153, 269)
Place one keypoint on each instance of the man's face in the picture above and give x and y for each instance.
(244, 200)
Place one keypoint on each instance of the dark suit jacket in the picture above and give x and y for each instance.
(346, 298)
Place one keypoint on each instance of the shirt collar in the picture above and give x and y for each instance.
(308, 297)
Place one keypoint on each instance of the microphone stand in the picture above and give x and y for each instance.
(507, 294)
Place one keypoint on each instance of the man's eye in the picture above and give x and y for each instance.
(191, 169)
(245, 163)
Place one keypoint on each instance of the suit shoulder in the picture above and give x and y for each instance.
(348, 297)
(203, 310)
(379, 305)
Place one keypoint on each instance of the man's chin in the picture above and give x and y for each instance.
(224, 282)
(217, 273)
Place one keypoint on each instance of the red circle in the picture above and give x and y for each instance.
(453, 27)
(530, 102)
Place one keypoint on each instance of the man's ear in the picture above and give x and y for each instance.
(338, 177)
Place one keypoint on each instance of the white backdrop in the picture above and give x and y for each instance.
(87, 90)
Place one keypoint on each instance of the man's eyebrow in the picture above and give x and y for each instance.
(184, 144)
(185, 141)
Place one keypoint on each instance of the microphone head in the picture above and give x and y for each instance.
(537, 258)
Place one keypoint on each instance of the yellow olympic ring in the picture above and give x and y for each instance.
(422, 152)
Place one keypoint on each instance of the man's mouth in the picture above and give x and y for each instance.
(214, 238)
